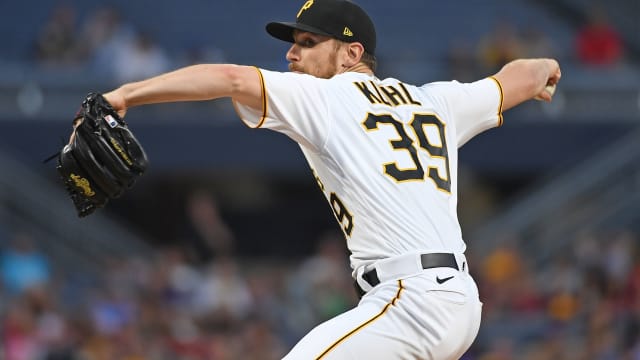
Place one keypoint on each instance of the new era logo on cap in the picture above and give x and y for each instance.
(340, 19)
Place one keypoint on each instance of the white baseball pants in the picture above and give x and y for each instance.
(415, 317)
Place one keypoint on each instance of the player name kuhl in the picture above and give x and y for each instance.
(387, 94)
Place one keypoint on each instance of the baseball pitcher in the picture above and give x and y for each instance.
(385, 155)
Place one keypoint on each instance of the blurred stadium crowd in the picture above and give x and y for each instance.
(113, 47)
(201, 297)
(167, 305)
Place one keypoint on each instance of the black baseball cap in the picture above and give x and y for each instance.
(339, 19)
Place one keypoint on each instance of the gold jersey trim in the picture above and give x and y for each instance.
(500, 118)
(263, 93)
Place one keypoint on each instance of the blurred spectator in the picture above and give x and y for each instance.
(587, 249)
(527, 297)
(58, 43)
(19, 340)
(501, 45)
(138, 59)
(322, 285)
(178, 279)
(536, 43)
(561, 276)
(111, 312)
(503, 265)
(259, 341)
(619, 255)
(207, 235)
(501, 349)
(117, 50)
(563, 306)
(462, 61)
(597, 42)
(271, 302)
(34, 328)
(23, 266)
(105, 35)
(207, 53)
(54, 333)
(223, 295)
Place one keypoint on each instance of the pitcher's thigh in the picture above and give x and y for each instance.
(365, 332)
(399, 321)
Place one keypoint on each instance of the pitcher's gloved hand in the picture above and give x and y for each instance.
(102, 159)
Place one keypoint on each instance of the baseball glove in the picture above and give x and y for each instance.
(102, 159)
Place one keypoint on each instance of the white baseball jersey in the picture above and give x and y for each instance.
(383, 152)
(385, 155)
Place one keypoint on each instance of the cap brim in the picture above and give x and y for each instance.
(284, 30)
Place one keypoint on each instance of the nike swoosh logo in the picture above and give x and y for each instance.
(443, 280)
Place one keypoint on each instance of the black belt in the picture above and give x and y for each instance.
(429, 261)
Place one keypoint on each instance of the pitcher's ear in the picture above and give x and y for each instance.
(355, 50)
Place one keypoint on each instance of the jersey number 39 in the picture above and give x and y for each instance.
(407, 143)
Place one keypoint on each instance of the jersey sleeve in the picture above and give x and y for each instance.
(474, 107)
(293, 104)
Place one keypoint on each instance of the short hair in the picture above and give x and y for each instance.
(370, 60)
(367, 59)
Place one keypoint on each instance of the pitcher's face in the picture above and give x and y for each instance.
(314, 54)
